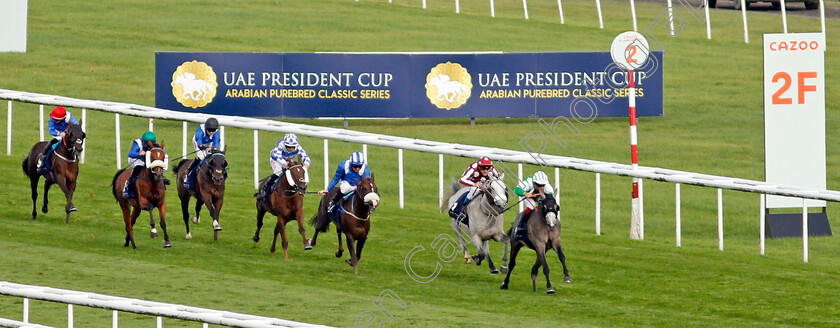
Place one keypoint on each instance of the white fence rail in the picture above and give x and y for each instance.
(122, 304)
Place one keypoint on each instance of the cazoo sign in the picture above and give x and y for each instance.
(403, 84)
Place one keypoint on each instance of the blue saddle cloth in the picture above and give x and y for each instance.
(335, 215)
(520, 233)
(459, 209)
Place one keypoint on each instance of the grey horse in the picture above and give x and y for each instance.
(485, 221)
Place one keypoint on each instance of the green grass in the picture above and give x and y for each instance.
(712, 124)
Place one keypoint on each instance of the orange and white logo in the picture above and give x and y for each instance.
(194, 84)
(448, 85)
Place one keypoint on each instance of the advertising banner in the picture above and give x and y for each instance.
(404, 85)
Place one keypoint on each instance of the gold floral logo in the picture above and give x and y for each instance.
(194, 84)
(448, 85)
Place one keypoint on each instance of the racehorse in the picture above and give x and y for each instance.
(285, 202)
(63, 172)
(151, 193)
(486, 222)
(209, 188)
(543, 228)
(354, 218)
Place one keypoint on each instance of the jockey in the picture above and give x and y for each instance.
(475, 175)
(286, 150)
(204, 139)
(137, 159)
(532, 188)
(347, 173)
(59, 120)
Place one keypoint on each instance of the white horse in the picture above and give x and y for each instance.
(485, 221)
(193, 88)
(447, 89)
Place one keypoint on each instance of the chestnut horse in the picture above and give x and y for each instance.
(64, 168)
(354, 218)
(285, 202)
(209, 189)
(151, 193)
(543, 232)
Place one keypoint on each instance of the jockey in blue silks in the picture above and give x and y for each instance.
(137, 160)
(204, 139)
(345, 177)
(284, 152)
(59, 120)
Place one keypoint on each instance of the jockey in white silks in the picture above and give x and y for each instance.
(284, 152)
(532, 189)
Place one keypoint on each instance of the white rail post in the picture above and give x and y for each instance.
(115, 322)
(784, 16)
(633, 12)
(69, 315)
(744, 15)
(670, 18)
(493, 10)
(708, 23)
(560, 8)
(761, 224)
(9, 131)
(525, 7)
(256, 159)
(41, 123)
(364, 151)
(424, 4)
(440, 179)
(804, 230)
(184, 139)
(678, 215)
(326, 164)
(159, 322)
(84, 129)
(152, 124)
(222, 137)
(720, 218)
(557, 185)
(600, 15)
(822, 17)
(400, 172)
(205, 325)
(26, 310)
(457, 7)
(521, 204)
(117, 136)
(598, 204)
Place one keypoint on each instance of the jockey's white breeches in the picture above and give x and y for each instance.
(136, 162)
(276, 166)
(345, 187)
(473, 191)
(530, 203)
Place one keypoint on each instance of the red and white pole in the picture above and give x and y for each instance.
(637, 223)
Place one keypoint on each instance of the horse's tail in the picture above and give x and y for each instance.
(114, 182)
(25, 164)
(444, 205)
(316, 220)
(177, 166)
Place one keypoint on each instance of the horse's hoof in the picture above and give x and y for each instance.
(504, 286)
(549, 291)
(504, 269)
(216, 226)
(339, 253)
(467, 260)
(189, 236)
(167, 244)
(196, 220)
(348, 262)
(72, 209)
(45, 209)
(307, 247)
(567, 279)
(494, 271)
(153, 233)
(256, 239)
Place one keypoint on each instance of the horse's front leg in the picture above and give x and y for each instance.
(479, 245)
(198, 202)
(68, 193)
(486, 248)
(461, 241)
(260, 216)
(340, 251)
(185, 211)
(33, 183)
(353, 260)
(299, 217)
(150, 208)
(559, 250)
(162, 214)
(540, 248)
(513, 253)
(47, 185)
(504, 267)
(213, 208)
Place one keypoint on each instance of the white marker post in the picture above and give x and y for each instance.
(630, 50)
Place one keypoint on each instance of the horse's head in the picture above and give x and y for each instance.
(550, 211)
(74, 138)
(217, 165)
(366, 188)
(157, 161)
(297, 177)
(497, 190)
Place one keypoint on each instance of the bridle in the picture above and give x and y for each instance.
(215, 180)
(72, 150)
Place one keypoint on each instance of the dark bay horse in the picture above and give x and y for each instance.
(285, 202)
(354, 215)
(151, 193)
(209, 189)
(543, 232)
(64, 168)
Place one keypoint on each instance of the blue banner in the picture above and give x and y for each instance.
(580, 84)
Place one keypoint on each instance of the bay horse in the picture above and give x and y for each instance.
(151, 193)
(63, 172)
(209, 190)
(543, 228)
(285, 202)
(486, 221)
(354, 218)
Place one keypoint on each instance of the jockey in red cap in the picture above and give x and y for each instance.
(475, 175)
(59, 120)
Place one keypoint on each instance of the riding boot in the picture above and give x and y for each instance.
(266, 189)
(334, 201)
(126, 193)
(41, 166)
(188, 173)
(523, 221)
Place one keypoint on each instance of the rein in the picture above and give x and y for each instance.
(356, 196)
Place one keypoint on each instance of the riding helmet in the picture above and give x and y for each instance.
(541, 178)
(149, 136)
(290, 140)
(211, 125)
(58, 113)
(485, 161)
(357, 158)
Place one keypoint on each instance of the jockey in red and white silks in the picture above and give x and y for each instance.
(477, 174)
